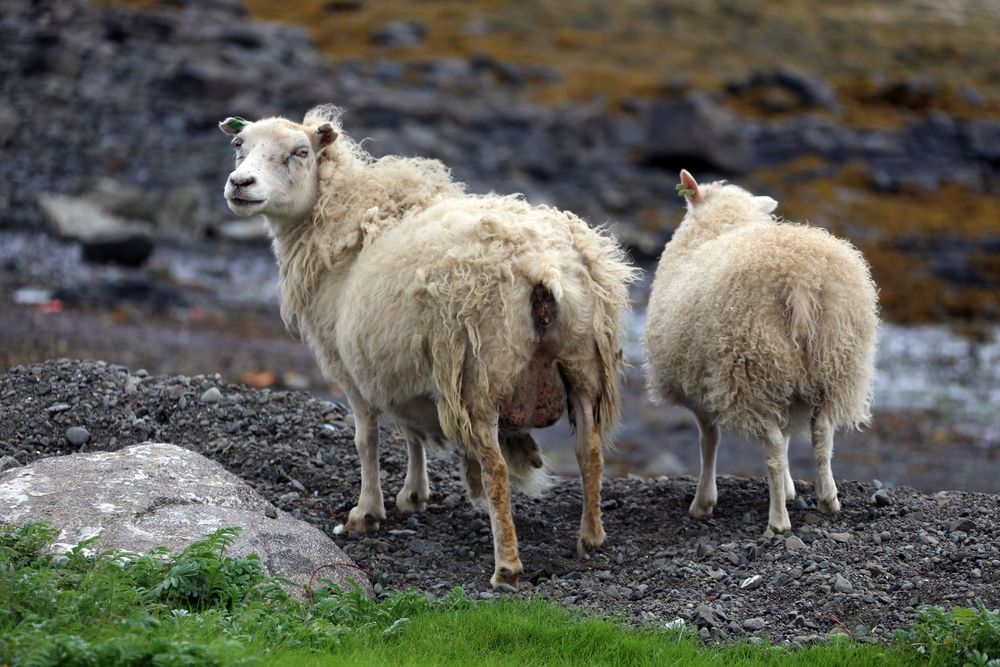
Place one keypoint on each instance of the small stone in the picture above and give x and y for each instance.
(704, 549)
(211, 396)
(794, 543)
(841, 537)
(754, 624)
(813, 519)
(420, 547)
(841, 584)
(976, 573)
(751, 583)
(8, 462)
(733, 558)
(57, 408)
(963, 525)
(800, 503)
(881, 498)
(271, 513)
(452, 500)
(77, 436)
(704, 617)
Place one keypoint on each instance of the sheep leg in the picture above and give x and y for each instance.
(822, 440)
(789, 482)
(472, 475)
(415, 493)
(773, 444)
(496, 483)
(590, 458)
(366, 516)
(707, 495)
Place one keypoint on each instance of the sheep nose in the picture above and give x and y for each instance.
(241, 181)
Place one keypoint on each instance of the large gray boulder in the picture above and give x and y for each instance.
(159, 494)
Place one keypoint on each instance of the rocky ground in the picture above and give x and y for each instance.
(863, 572)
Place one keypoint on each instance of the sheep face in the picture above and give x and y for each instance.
(275, 170)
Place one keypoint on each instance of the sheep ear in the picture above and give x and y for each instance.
(325, 135)
(688, 187)
(233, 124)
(766, 204)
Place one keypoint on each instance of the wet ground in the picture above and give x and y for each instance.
(208, 307)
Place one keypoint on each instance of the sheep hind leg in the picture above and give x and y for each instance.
(707, 495)
(773, 445)
(496, 484)
(826, 487)
(590, 458)
(367, 515)
(789, 482)
(415, 493)
(472, 475)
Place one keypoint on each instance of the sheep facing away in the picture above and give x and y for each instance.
(764, 327)
(460, 317)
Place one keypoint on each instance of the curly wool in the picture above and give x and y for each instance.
(407, 288)
(755, 321)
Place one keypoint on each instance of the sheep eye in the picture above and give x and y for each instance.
(237, 142)
(301, 152)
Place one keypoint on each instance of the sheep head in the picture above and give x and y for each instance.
(699, 195)
(275, 171)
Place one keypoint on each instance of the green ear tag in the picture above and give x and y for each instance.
(684, 191)
(237, 123)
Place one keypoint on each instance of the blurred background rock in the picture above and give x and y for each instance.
(879, 121)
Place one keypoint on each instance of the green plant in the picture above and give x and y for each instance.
(961, 636)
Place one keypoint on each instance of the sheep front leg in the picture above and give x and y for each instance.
(773, 444)
(415, 493)
(789, 482)
(822, 440)
(590, 458)
(366, 516)
(707, 495)
(496, 483)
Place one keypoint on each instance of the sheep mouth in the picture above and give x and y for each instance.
(240, 201)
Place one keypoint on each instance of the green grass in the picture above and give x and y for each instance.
(201, 607)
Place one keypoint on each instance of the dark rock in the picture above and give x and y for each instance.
(77, 435)
(964, 525)
(695, 133)
(704, 617)
(881, 498)
(841, 584)
(8, 462)
(8, 123)
(127, 248)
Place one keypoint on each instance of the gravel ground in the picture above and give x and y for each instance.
(864, 572)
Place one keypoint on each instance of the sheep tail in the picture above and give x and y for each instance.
(804, 312)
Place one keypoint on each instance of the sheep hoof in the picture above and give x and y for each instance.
(829, 506)
(699, 511)
(411, 501)
(589, 542)
(773, 530)
(364, 522)
(507, 579)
